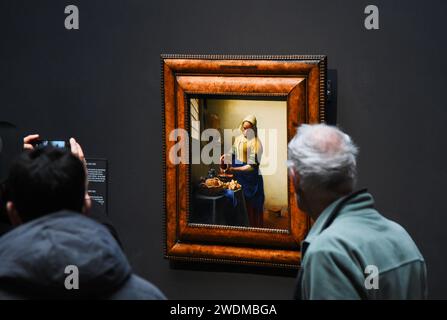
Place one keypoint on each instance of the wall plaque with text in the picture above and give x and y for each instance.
(97, 182)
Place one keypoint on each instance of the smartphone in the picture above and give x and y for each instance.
(54, 143)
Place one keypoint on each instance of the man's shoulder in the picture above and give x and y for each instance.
(367, 238)
(357, 228)
(328, 243)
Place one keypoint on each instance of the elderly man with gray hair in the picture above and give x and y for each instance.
(351, 251)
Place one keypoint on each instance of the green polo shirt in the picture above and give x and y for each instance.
(350, 235)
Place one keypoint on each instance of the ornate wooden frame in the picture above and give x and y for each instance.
(302, 81)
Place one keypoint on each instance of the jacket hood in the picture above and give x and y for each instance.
(34, 257)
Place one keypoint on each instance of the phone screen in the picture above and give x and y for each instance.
(53, 143)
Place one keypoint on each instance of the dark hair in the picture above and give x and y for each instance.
(46, 180)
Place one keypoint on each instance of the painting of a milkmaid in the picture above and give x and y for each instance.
(245, 156)
(239, 190)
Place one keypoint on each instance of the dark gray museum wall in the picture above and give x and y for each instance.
(101, 84)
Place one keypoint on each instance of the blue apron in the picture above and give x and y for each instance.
(252, 184)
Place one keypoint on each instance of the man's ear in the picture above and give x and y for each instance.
(87, 204)
(13, 214)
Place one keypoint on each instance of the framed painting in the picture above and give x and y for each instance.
(227, 122)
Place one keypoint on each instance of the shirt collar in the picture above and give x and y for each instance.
(329, 215)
